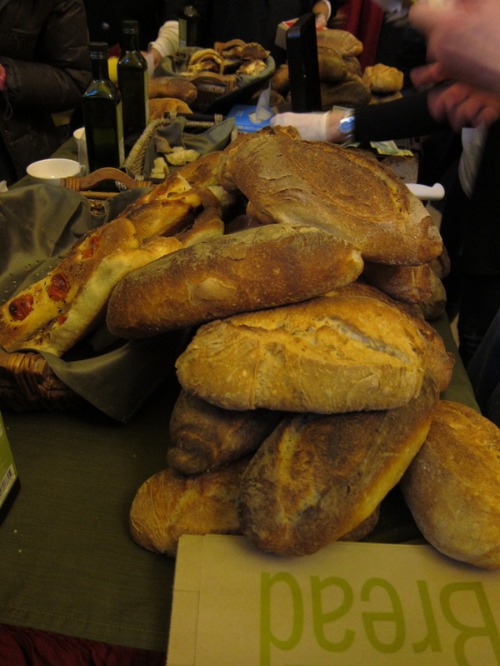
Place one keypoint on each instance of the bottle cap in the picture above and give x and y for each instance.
(130, 27)
(98, 50)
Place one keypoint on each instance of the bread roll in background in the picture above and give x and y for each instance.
(315, 479)
(204, 437)
(252, 269)
(452, 486)
(353, 349)
(383, 79)
(168, 505)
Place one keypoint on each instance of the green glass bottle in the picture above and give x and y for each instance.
(133, 83)
(102, 114)
(189, 27)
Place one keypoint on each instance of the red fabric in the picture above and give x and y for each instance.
(363, 18)
(28, 647)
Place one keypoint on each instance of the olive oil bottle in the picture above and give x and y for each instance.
(133, 83)
(102, 113)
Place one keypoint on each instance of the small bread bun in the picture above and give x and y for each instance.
(382, 79)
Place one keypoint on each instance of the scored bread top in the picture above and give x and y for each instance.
(350, 350)
(248, 270)
(338, 189)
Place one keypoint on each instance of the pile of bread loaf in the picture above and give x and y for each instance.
(343, 82)
(215, 71)
(307, 394)
(308, 391)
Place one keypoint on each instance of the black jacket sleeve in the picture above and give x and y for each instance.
(401, 119)
(53, 70)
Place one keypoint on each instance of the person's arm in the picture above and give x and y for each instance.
(166, 43)
(462, 39)
(402, 118)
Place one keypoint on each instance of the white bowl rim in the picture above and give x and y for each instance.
(67, 167)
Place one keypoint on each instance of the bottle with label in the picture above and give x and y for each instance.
(189, 27)
(102, 114)
(133, 83)
(9, 479)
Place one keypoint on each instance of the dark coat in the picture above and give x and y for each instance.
(44, 49)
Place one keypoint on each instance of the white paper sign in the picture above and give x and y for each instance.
(349, 604)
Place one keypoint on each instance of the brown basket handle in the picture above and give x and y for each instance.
(101, 175)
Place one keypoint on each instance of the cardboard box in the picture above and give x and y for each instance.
(349, 603)
(281, 30)
(8, 471)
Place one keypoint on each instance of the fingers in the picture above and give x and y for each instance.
(428, 75)
(464, 106)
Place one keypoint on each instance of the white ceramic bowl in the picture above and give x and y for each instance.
(52, 170)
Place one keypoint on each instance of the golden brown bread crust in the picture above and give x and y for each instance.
(248, 270)
(316, 478)
(159, 106)
(364, 528)
(333, 188)
(341, 40)
(351, 92)
(435, 305)
(452, 486)
(331, 64)
(169, 505)
(170, 86)
(351, 350)
(204, 437)
(410, 284)
(55, 312)
(382, 79)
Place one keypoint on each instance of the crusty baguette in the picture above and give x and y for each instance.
(248, 270)
(204, 437)
(168, 505)
(334, 188)
(315, 479)
(353, 349)
(452, 486)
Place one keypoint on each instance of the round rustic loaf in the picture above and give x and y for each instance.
(452, 486)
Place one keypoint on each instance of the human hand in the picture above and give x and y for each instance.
(460, 104)
(463, 106)
(321, 21)
(462, 38)
(311, 126)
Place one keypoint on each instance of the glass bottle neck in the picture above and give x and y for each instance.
(100, 71)
(130, 41)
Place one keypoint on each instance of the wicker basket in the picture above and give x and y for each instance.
(135, 162)
(27, 383)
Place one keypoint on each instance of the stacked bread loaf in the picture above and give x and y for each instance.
(314, 405)
(342, 80)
